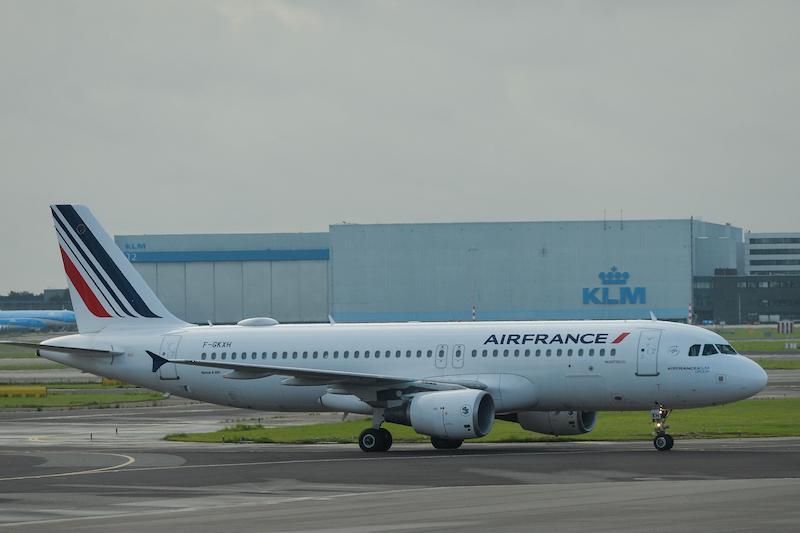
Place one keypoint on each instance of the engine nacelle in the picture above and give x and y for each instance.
(558, 422)
(452, 414)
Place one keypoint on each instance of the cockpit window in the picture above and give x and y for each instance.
(709, 349)
(694, 351)
(727, 349)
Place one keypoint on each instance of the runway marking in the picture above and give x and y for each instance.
(128, 461)
(283, 501)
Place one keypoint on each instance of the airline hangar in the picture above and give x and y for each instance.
(445, 271)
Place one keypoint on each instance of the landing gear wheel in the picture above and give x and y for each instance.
(375, 440)
(446, 444)
(370, 440)
(663, 442)
(387, 439)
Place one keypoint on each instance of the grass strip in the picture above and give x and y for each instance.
(749, 418)
(779, 364)
(763, 346)
(49, 365)
(75, 400)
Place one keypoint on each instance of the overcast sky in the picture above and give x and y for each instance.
(267, 116)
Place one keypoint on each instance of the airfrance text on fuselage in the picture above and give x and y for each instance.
(546, 338)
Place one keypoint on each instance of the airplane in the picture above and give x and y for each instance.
(448, 381)
(36, 320)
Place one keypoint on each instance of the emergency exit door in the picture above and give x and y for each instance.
(169, 350)
(647, 352)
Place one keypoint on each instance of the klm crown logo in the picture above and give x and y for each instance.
(623, 295)
(614, 277)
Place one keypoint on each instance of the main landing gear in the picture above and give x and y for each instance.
(662, 440)
(375, 440)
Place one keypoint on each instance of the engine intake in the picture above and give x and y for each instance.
(455, 414)
(558, 422)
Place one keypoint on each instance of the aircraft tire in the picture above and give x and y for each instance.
(371, 440)
(663, 443)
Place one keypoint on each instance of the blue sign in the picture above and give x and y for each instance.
(615, 290)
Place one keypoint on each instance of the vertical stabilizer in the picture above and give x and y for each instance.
(105, 288)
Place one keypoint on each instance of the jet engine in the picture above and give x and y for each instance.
(558, 422)
(452, 415)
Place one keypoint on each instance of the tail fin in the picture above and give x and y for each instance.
(105, 288)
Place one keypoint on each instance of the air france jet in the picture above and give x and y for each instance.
(448, 381)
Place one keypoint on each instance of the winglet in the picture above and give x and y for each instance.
(653, 316)
(158, 361)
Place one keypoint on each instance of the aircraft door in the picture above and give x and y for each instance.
(647, 352)
(441, 356)
(169, 349)
(458, 356)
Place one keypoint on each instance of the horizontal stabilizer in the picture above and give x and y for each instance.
(158, 361)
(70, 350)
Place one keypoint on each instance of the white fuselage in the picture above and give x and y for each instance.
(571, 365)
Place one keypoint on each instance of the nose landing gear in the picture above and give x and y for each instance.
(662, 440)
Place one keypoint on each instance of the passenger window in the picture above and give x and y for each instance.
(474, 353)
(538, 353)
(224, 355)
(336, 354)
(203, 356)
(727, 349)
(548, 352)
(305, 355)
(694, 351)
(213, 355)
(408, 353)
(274, 355)
(324, 355)
(580, 352)
(366, 354)
(505, 353)
(709, 349)
(591, 351)
(419, 354)
(429, 353)
(516, 353)
(233, 355)
(559, 352)
(569, 352)
(485, 353)
(285, 355)
(613, 352)
(495, 352)
(527, 353)
(355, 354)
(314, 355)
(602, 352)
(294, 355)
(264, 355)
(397, 353)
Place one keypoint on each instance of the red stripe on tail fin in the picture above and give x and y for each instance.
(621, 337)
(91, 301)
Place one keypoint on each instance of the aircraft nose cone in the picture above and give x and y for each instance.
(761, 379)
(756, 378)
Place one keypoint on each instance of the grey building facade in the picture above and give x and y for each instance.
(454, 271)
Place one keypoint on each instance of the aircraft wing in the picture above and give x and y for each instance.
(89, 352)
(312, 376)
